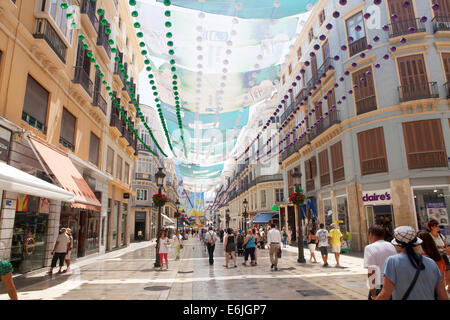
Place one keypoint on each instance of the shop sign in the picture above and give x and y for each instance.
(438, 212)
(377, 197)
(10, 204)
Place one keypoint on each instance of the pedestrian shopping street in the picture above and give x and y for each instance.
(129, 274)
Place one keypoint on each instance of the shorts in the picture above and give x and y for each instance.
(312, 247)
(323, 250)
(58, 256)
(336, 249)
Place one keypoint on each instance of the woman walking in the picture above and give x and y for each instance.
(250, 247)
(67, 258)
(284, 237)
(229, 247)
(163, 246)
(441, 245)
(178, 244)
(431, 251)
(6, 278)
(312, 242)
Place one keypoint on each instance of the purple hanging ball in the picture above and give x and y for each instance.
(350, 91)
(394, 17)
(310, 94)
(347, 72)
(368, 73)
(386, 57)
(282, 101)
(330, 91)
(322, 37)
(326, 114)
(369, 47)
(385, 27)
(393, 48)
(310, 113)
(412, 30)
(423, 19)
(344, 97)
(286, 97)
(406, 4)
(342, 2)
(436, 6)
(336, 14)
(264, 128)
(377, 2)
(350, 39)
(358, 28)
(336, 58)
(290, 90)
(367, 15)
(303, 121)
(341, 79)
(403, 40)
(312, 54)
(336, 85)
(329, 26)
(378, 66)
(321, 118)
(316, 47)
(344, 48)
(302, 71)
(297, 78)
(325, 97)
(376, 38)
(356, 86)
(294, 84)
(354, 64)
(362, 55)
(307, 63)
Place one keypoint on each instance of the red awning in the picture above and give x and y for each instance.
(67, 175)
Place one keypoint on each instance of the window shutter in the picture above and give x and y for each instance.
(446, 60)
(326, 50)
(413, 77)
(444, 8)
(365, 93)
(372, 151)
(424, 144)
(67, 131)
(308, 169)
(314, 67)
(331, 100)
(36, 101)
(324, 168)
(337, 162)
(403, 12)
(313, 167)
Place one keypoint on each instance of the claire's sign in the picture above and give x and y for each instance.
(377, 197)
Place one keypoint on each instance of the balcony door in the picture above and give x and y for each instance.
(413, 78)
(406, 17)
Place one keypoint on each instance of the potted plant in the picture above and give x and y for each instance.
(297, 198)
(159, 199)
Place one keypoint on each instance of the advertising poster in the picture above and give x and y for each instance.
(438, 212)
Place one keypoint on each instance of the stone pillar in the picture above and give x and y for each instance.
(357, 217)
(334, 205)
(321, 214)
(403, 203)
(53, 229)
(147, 224)
(110, 220)
(119, 226)
(131, 223)
(286, 218)
(128, 224)
(7, 216)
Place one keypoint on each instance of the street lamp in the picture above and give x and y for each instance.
(245, 202)
(177, 203)
(297, 178)
(159, 177)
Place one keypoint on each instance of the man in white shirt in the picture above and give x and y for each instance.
(62, 246)
(274, 241)
(211, 239)
(322, 235)
(375, 254)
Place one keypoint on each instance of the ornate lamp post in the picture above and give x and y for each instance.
(159, 177)
(227, 218)
(297, 178)
(245, 214)
(177, 203)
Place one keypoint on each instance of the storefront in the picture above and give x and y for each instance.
(432, 203)
(378, 208)
(139, 224)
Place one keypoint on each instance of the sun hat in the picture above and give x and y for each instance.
(405, 235)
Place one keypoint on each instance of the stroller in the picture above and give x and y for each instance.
(240, 245)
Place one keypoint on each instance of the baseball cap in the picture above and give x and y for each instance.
(405, 235)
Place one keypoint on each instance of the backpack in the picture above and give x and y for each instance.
(212, 240)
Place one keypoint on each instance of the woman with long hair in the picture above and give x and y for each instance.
(441, 244)
(430, 250)
(312, 242)
(163, 245)
(229, 247)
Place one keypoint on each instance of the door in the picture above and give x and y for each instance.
(82, 234)
(406, 17)
(381, 215)
(413, 77)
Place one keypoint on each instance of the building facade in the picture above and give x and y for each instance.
(51, 90)
(367, 121)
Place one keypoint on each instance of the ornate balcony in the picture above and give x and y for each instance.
(408, 26)
(418, 91)
(441, 23)
(45, 31)
(332, 119)
(98, 101)
(82, 77)
(357, 46)
(366, 104)
(102, 41)
(88, 9)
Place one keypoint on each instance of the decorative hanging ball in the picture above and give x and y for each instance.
(377, 2)
(436, 6)
(312, 54)
(316, 47)
(385, 27)
(347, 73)
(367, 15)
(329, 26)
(350, 39)
(423, 19)
(403, 40)
(386, 57)
(344, 47)
(412, 29)
(362, 55)
(322, 37)
(307, 63)
(336, 14)
(369, 47)
(336, 58)
(393, 48)
(358, 28)
(294, 84)
(394, 17)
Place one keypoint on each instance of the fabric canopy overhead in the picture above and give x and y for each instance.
(227, 56)
(13, 179)
(263, 218)
(67, 175)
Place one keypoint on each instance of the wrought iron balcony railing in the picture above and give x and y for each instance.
(357, 46)
(88, 7)
(441, 23)
(407, 26)
(82, 77)
(44, 30)
(418, 91)
(100, 102)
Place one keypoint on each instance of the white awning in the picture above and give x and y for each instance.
(166, 217)
(15, 180)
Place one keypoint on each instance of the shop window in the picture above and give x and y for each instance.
(365, 98)
(424, 143)
(110, 160)
(123, 223)
(93, 228)
(35, 105)
(67, 132)
(372, 151)
(94, 145)
(357, 41)
(342, 211)
(432, 203)
(328, 213)
(119, 168)
(115, 222)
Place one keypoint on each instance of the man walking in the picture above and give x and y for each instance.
(336, 242)
(322, 235)
(274, 241)
(211, 238)
(375, 254)
(62, 246)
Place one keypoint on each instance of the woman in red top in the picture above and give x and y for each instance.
(430, 250)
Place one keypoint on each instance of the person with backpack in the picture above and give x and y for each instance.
(322, 235)
(211, 239)
(409, 275)
(441, 244)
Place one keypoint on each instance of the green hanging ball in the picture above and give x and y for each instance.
(172, 61)
(142, 44)
(104, 82)
(110, 93)
(167, 13)
(127, 83)
(151, 76)
(69, 16)
(104, 22)
(148, 68)
(73, 25)
(174, 83)
(175, 88)
(175, 93)
(116, 58)
(170, 43)
(132, 2)
(135, 13)
(168, 24)
(144, 52)
(169, 34)
(101, 75)
(177, 98)
(85, 46)
(81, 37)
(173, 69)
(153, 87)
(108, 88)
(64, 5)
(111, 42)
(93, 60)
(167, 3)
(171, 52)
(113, 50)
(100, 12)
(139, 34)
(174, 77)
(125, 76)
(108, 31)
(155, 93)
(97, 67)
(152, 81)
(146, 61)
(89, 54)
(137, 25)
